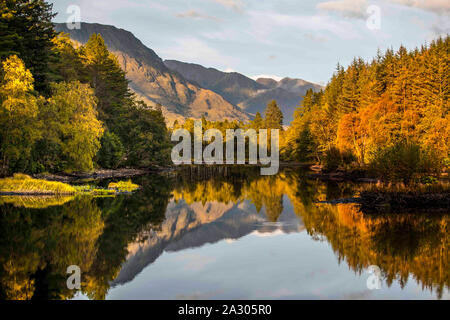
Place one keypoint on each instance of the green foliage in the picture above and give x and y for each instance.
(107, 79)
(19, 125)
(146, 136)
(404, 162)
(111, 152)
(71, 123)
(26, 30)
(67, 64)
(85, 92)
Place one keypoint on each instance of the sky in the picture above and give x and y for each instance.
(276, 38)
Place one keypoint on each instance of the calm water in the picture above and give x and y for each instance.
(220, 235)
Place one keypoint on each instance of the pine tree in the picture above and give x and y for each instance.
(26, 29)
(274, 116)
(107, 79)
(258, 122)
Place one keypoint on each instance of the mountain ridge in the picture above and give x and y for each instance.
(250, 95)
(153, 82)
(188, 90)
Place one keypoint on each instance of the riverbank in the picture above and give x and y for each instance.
(97, 174)
(24, 185)
(397, 199)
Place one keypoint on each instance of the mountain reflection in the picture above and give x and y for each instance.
(114, 239)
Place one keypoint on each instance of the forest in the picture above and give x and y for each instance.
(389, 117)
(68, 108)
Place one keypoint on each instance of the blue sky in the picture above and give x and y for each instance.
(299, 39)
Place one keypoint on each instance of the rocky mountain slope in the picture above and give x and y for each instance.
(250, 95)
(233, 86)
(153, 82)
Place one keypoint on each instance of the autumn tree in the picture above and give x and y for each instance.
(273, 116)
(19, 127)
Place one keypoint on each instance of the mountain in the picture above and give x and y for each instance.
(250, 95)
(287, 92)
(153, 81)
(267, 82)
(233, 86)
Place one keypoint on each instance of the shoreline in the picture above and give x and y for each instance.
(99, 174)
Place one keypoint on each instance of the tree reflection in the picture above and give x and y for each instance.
(40, 238)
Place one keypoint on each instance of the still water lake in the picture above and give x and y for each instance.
(220, 235)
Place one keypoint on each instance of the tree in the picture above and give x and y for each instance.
(274, 116)
(66, 64)
(26, 30)
(71, 120)
(258, 122)
(111, 152)
(19, 126)
(145, 133)
(107, 79)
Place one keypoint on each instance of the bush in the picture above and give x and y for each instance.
(334, 159)
(405, 162)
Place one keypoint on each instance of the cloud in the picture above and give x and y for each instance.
(104, 10)
(195, 15)
(266, 22)
(315, 37)
(348, 8)
(235, 5)
(194, 50)
(437, 6)
(441, 27)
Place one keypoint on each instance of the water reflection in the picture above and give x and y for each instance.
(114, 239)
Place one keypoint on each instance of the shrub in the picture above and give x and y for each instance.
(405, 162)
(334, 159)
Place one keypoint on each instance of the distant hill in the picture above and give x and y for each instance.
(191, 90)
(233, 86)
(153, 81)
(250, 95)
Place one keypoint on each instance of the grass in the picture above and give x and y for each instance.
(123, 186)
(21, 184)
